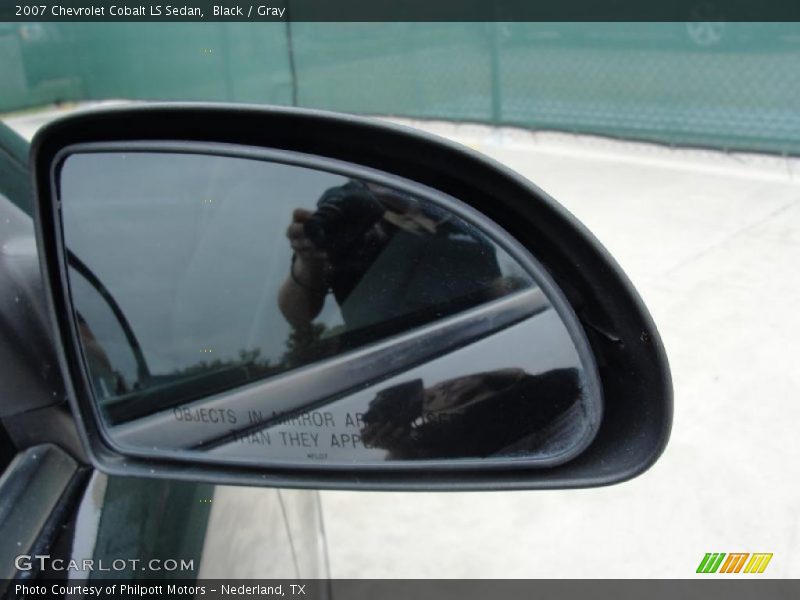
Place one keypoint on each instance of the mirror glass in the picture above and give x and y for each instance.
(273, 308)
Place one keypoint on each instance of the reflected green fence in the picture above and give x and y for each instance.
(732, 86)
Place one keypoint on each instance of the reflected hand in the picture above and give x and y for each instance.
(311, 267)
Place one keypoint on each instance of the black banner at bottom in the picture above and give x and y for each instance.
(411, 589)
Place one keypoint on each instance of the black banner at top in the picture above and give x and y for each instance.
(399, 10)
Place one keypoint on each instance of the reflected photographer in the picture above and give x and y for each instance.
(386, 257)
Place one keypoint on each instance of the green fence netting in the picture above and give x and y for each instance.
(722, 85)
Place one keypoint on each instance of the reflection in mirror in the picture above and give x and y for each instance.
(262, 311)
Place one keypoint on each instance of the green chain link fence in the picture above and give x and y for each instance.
(722, 85)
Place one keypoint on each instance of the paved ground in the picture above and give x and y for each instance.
(712, 242)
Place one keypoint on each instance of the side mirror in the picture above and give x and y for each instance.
(295, 298)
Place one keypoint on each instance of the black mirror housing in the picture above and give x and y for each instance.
(631, 365)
